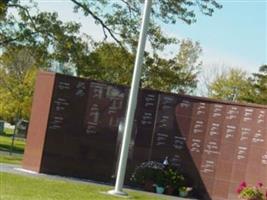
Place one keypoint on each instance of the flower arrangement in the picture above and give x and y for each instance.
(148, 171)
(164, 177)
(251, 193)
(183, 191)
(173, 177)
(160, 179)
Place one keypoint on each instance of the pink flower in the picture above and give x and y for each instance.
(243, 184)
(259, 184)
(239, 190)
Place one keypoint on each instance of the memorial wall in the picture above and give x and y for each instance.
(74, 124)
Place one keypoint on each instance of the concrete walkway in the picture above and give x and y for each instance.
(16, 169)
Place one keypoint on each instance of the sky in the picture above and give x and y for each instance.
(235, 36)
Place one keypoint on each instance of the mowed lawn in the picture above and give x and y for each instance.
(5, 147)
(20, 187)
(10, 159)
(6, 140)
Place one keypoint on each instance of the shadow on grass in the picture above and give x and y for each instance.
(6, 141)
(7, 148)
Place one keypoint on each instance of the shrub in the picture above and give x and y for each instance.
(173, 177)
(148, 171)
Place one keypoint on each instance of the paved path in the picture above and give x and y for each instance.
(16, 169)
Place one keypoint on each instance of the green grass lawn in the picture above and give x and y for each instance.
(18, 187)
(11, 159)
(8, 131)
(5, 144)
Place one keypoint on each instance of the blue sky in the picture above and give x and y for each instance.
(236, 36)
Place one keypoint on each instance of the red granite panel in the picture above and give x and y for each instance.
(38, 122)
(224, 170)
(220, 189)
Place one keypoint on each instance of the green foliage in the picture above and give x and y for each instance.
(173, 177)
(17, 76)
(183, 189)
(239, 86)
(178, 74)
(110, 62)
(148, 171)
(118, 19)
(121, 19)
(231, 85)
(49, 37)
(258, 91)
(52, 40)
(3, 8)
(157, 173)
(250, 192)
(160, 179)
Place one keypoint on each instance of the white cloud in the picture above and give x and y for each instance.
(214, 57)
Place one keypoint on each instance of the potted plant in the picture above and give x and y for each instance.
(250, 193)
(160, 182)
(146, 174)
(183, 191)
(173, 180)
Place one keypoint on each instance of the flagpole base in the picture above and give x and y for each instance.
(117, 193)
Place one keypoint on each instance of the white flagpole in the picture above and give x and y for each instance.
(132, 102)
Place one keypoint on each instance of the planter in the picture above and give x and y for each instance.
(159, 189)
(169, 190)
(183, 193)
(149, 187)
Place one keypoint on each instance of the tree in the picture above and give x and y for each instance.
(110, 62)
(50, 40)
(121, 19)
(3, 8)
(207, 76)
(230, 85)
(30, 39)
(178, 74)
(17, 75)
(43, 32)
(258, 91)
(239, 86)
